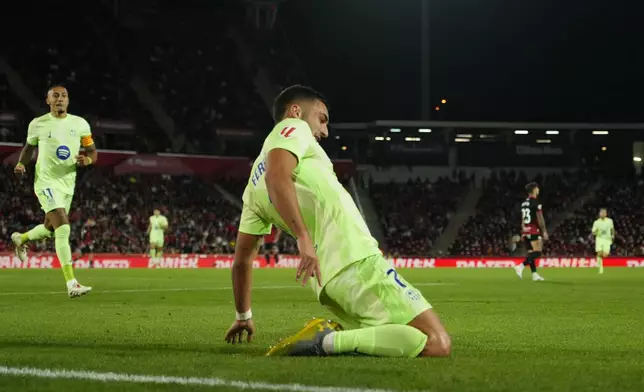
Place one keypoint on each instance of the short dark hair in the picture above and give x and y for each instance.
(53, 86)
(603, 209)
(531, 187)
(294, 93)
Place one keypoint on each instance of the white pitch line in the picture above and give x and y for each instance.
(162, 379)
(186, 289)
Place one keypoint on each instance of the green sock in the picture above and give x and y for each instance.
(37, 233)
(159, 253)
(153, 253)
(64, 251)
(389, 340)
(600, 261)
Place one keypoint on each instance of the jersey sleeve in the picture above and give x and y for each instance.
(32, 137)
(85, 133)
(251, 223)
(594, 227)
(294, 136)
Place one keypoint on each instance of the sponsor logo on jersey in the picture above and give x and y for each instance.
(63, 152)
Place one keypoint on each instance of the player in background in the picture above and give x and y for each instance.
(156, 230)
(86, 242)
(604, 233)
(293, 186)
(533, 228)
(271, 247)
(58, 136)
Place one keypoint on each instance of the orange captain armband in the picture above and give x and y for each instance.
(87, 141)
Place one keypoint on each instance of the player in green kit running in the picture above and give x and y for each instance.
(156, 228)
(293, 186)
(58, 136)
(604, 232)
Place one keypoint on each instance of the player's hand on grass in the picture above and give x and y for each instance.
(19, 170)
(82, 160)
(309, 263)
(235, 333)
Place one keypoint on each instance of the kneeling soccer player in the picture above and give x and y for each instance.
(293, 186)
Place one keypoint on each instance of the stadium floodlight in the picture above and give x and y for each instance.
(424, 130)
(521, 132)
(464, 135)
(412, 139)
(344, 148)
(462, 140)
(380, 138)
(552, 132)
(544, 141)
(337, 137)
(394, 130)
(387, 138)
(600, 132)
(637, 159)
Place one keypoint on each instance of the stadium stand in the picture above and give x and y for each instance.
(497, 218)
(201, 220)
(415, 213)
(623, 199)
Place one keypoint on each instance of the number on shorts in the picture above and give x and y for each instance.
(48, 194)
(401, 284)
(526, 215)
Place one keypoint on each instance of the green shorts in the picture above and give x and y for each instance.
(156, 239)
(370, 293)
(51, 199)
(602, 245)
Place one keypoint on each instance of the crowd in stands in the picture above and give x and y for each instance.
(192, 70)
(623, 199)
(497, 217)
(415, 213)
(115, 209)
(110, 213)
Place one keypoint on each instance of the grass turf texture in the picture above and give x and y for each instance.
(577, 331)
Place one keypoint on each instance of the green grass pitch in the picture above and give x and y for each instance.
(578, 331)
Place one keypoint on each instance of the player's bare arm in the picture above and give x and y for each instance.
(245, 252)
(91, 153)
(542, 225)
(281, 189)
(25, 157)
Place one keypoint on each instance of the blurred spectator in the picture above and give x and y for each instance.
(416, 213)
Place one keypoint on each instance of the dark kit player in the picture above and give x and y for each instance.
(271, 247)
(533, 231)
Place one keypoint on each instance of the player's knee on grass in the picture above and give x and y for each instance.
(439, 343)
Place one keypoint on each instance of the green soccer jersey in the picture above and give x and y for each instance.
(58, 141)
(603, 229)
(339, 233)
(158, 224)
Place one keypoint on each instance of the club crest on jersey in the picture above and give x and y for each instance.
(287, 131)
(72, 132)
(63, 152)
